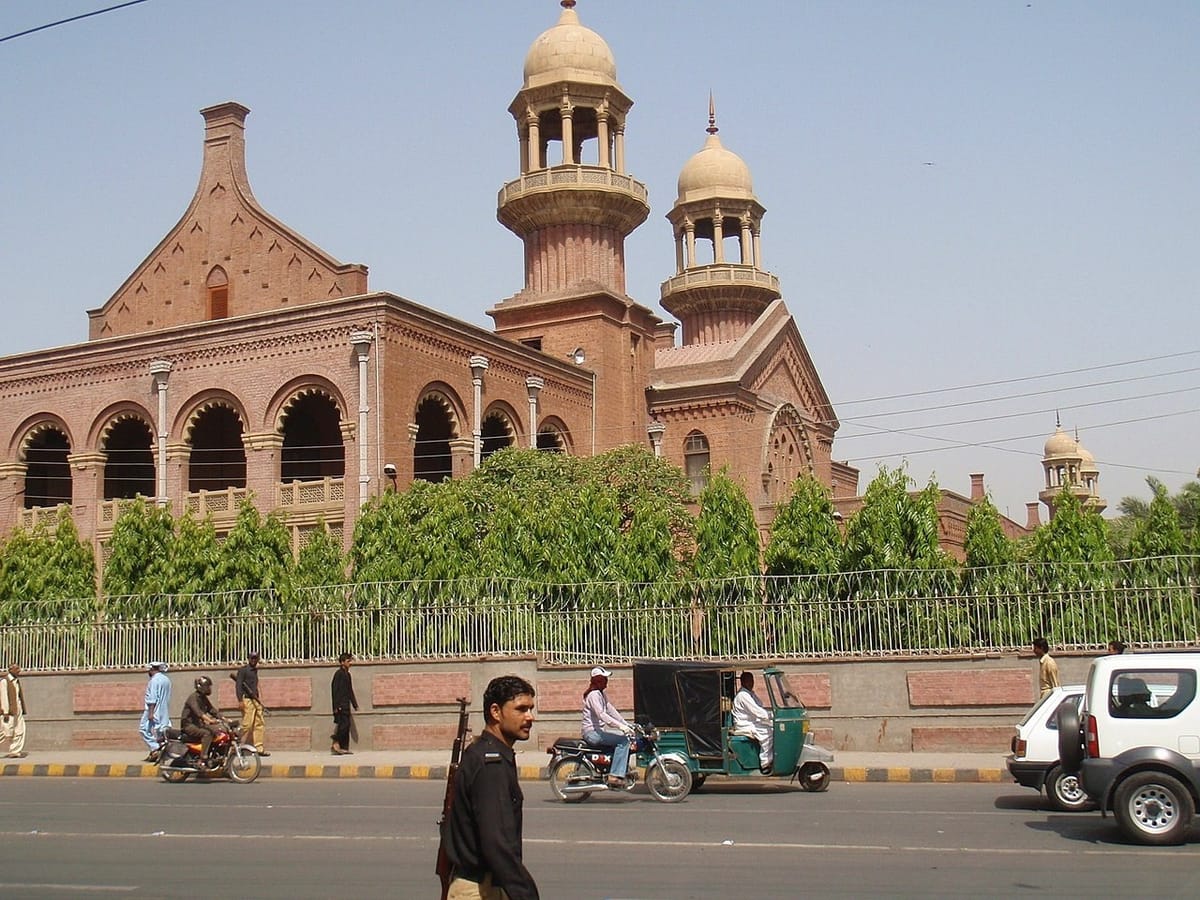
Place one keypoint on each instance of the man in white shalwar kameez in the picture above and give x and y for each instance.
(753, 720)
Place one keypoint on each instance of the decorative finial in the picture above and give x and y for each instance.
(712, 115)
(1057, 420)
(567, 4)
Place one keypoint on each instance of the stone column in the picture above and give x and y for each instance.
(262, 468)
(160, 371)
(178, 456)
(479, 365)
(87, 490)
(602, 137)
(534, 142)
(619, 148)
(718, 238)
(460, 455)
(679, 239)
(534, 385)
(758, 247)
(690, 233)
(12, 494)
(568, 133)
(747, 243)
(361, 341)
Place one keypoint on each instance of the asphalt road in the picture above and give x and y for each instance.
(71, 838)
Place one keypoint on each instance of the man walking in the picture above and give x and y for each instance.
(341, 691)
(156, 715)
(12, 713)
(1047, 668)
(246, 685)
(482, 833)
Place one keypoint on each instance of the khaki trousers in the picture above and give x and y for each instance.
(461, 889)
(252, 723)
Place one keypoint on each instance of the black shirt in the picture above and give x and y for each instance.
(483, 830)
(246, 682)
(195, 708)
(342, 691)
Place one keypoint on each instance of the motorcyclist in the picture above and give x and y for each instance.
(200, 720)
(604, 727)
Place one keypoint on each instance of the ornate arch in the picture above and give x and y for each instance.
(787, 451)
(445, 396)
(561, 435)
(191, 411)
(112, 416)
(27, 432)
(297, 389)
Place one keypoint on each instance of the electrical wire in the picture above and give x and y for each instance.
(98, 12)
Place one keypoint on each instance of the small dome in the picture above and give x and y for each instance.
(1061, 444)
(569, 52)
(715, 172)
(1087, 461)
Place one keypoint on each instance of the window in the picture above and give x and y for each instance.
(695, 461)
(1151, 695)
(217, 286)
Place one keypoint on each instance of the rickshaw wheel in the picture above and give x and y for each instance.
(669, 780)
(564, 772)
(698, 782)
(814, 777)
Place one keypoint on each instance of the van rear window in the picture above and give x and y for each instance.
(1150, 694)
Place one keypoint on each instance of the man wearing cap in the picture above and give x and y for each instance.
(604, 727)
(246, 685)
(156, 714)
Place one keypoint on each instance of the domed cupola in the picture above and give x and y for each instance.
(717, 299)
(573, 205)
(569, 51)
(1067, 464)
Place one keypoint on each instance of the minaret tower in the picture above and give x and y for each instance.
(573, 206)
(1067, 464)
(717, 295)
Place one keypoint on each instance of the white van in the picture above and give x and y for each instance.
(1136, 742)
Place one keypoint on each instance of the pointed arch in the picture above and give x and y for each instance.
(498, 429)
(553, 435)
(787, 451)
(437, 421)
(216, 287)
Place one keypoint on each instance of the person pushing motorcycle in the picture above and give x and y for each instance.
(200, 720)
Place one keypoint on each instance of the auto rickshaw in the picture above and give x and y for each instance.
(690, 704)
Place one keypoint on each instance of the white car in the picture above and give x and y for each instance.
(1034, 758)
(1136, 742)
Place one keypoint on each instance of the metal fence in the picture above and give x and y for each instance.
(1150, 604)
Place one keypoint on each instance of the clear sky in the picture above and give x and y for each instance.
(958, 193)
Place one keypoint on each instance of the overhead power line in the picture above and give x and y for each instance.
(98, 12)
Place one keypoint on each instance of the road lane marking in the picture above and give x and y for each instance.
(564, 842)
(82, 888)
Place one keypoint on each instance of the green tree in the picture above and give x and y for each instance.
(985, 544)
(894, 528)
(195, 560)
(139, 558)
(727, 543)
(47, 575)
(805, 539)
(1159, 533)
(255, 565)
(320, 563)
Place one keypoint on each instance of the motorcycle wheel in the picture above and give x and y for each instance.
(669, 780)
(172, 775)
(814, 777)
(564, 771)
(243, 766)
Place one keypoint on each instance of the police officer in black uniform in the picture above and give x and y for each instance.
(482, 834)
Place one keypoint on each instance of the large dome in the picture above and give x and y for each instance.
(715, 172)
(569, 52)
(1061, 444)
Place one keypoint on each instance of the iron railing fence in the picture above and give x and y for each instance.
(1150, 604)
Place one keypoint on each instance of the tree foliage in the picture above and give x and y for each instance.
(727, 543)
(805, 539)
(47, 574)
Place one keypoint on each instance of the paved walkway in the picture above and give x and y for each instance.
(848, 766)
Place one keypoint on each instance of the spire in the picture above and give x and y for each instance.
(1057, 420)
(712, 115)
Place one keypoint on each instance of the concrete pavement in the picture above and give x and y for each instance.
(848, 766)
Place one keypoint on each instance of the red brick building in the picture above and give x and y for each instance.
(241, 360)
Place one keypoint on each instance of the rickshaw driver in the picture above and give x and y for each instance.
(604, 727)
(753, 720)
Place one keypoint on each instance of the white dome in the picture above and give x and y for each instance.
(715, 172)
(569, 52)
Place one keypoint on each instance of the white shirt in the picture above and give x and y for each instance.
(600, 715)
(748, 713)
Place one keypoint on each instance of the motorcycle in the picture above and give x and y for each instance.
(227, 757)
(577, 769)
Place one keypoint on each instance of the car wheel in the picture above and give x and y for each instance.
(1065, 791)
(1070, 738)
(1153, 808)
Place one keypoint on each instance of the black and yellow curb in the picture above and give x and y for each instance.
(848, 774)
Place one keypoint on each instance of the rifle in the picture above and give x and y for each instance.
(443, 867)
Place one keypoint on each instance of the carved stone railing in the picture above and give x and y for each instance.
(566, 176)
(718, 274)
(326, 492)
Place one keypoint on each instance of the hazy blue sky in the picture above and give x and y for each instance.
(957, 193)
